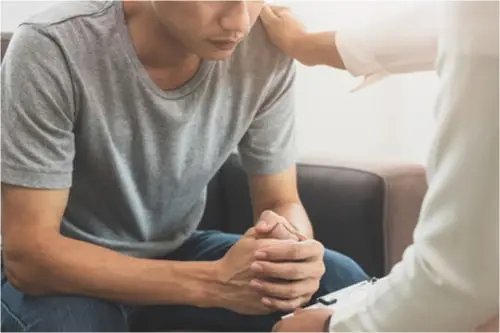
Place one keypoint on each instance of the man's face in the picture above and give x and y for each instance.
(209, 29)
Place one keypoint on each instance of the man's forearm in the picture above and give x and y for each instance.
(66, 266)
(319, 49)
(297, 216)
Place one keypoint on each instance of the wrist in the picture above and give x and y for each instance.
(320, 49)
(304, 49)
(213, 286)
(198, 282)
(293, 45)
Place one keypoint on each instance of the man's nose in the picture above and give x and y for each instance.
(237, 18)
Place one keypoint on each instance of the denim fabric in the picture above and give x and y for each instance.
(21, 313)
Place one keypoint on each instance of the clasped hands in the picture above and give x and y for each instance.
(271, 268)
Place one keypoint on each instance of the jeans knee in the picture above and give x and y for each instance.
(22, 313)
(341, 271)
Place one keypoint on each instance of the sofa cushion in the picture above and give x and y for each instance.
(213, 217)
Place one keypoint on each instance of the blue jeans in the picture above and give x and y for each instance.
(85, 314)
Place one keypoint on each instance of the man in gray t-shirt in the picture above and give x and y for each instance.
(115, 116)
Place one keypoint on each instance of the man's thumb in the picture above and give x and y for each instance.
(275, 230)
(264, 227)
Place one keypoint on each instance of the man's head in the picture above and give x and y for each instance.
(209, 29)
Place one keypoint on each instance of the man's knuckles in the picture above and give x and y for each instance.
(322, 269)
(278, 270)
(282, 291)
(281, 232)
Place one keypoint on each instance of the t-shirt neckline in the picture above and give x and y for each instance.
(126, 40)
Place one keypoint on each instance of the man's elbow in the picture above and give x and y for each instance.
(24, 271)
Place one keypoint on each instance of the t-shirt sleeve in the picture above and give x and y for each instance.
(37, 112)
(269, 146)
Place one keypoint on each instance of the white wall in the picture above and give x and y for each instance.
(389, 121)
(14, 12)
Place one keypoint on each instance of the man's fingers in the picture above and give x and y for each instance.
(264, 227)
(281, 232)
(272, 218)
(267, 221)
(288, 251)
(292, 271)
(272, 225)
(284, 289)
(283, 305)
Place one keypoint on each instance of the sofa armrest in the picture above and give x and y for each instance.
(405, 188)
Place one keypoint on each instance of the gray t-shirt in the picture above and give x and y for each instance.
(79, 111)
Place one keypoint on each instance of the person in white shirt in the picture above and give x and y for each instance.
(399, 43)
(448, 278)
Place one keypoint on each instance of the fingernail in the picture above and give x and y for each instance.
(260, 255)
(256, 267)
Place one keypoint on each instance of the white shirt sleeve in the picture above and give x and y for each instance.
(448, 279)
(402, 42)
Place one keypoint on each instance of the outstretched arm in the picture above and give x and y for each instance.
(399, 43)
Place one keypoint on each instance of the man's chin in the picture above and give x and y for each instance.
(212, 52)
(217, 55)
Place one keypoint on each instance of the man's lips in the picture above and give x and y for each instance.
(224, 44)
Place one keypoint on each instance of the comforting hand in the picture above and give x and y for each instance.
(314, 320)
(283, 28)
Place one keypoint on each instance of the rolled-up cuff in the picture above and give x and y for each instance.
(358, 59)
(370, 80)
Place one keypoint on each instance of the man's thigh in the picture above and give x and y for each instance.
(340, 272)
(21, 313)
(205, 246)
(202, 246)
